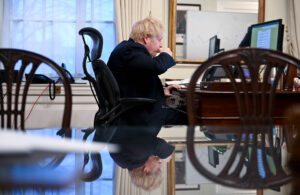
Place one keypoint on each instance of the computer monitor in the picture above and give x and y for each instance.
(267, 35)
(214, 45)
(213, 156)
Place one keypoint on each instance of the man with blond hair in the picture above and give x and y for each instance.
(136, 64)
(142, 154)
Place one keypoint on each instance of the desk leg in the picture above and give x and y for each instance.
(259, 192)
(171, 175)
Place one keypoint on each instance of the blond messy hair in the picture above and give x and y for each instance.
(147, 181)
(146, 27)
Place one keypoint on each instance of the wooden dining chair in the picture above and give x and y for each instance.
(19, 70)
(249, 106)
(294, 160)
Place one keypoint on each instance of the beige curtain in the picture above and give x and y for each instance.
(1, 20)
(127, 13)
(123, 185)
(293, 24)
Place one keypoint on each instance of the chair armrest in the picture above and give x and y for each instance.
(97, 167)
(125, 104)
(128, 101)
(131, 103)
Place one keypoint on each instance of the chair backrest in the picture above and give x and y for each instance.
(107, 96)
(97, 39)
(104, 83)
(249, 108)
(15, 63)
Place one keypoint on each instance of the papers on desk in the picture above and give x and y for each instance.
(19, 142)
(184, 82)
(179, 82)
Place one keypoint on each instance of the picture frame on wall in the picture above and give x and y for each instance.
(178, 164)
(182, 8)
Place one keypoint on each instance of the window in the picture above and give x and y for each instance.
(50, 27)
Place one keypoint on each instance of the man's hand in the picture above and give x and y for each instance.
(168, 89)
(167, 50)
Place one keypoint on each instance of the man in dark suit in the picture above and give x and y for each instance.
(136, 64)
(142, 153)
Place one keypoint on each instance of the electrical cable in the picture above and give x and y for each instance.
(38, 100)
(52, 97)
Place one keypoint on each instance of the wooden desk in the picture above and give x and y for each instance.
(216, 108)
(222, 105)
(256, 126)
(218, 104)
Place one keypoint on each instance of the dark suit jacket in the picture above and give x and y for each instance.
(136, 72)
(136, 150)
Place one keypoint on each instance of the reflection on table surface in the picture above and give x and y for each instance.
(213, 147)
(54, 171)
(40, 168)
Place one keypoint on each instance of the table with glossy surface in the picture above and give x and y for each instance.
(44, 162)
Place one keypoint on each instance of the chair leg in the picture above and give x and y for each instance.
(259, 192)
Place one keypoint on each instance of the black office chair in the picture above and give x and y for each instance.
(107, 95)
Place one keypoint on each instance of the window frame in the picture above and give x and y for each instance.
(81, 21)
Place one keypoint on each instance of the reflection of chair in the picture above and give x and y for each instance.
(250, 109)
(14, 93)
(107, 95)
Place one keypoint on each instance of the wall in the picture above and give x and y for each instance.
(48, 113)
(230, 28)
(159, 10)
(276, 10)
(179, 71)
(207, 5)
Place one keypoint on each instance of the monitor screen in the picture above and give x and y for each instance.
(213, 156)
(214, 45)
(267, 35)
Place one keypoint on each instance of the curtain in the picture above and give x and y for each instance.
(1, 21)
(293, 21)
(4, 30)
(127, 13)
(123, 185)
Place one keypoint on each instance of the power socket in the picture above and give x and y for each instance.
(57, 90)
